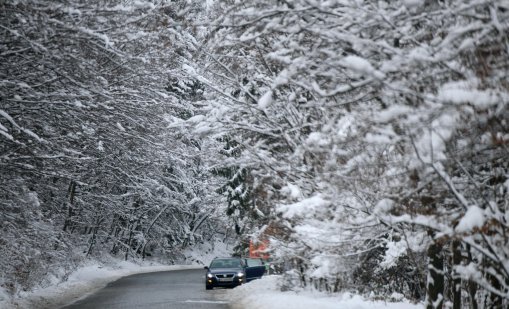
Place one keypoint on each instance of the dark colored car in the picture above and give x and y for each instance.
(231, 272)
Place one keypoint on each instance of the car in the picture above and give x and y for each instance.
(225, 272)
(231, 272)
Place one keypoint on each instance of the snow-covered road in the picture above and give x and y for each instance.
(81, 283)
(179, 289)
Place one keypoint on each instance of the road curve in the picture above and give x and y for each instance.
(179, 289)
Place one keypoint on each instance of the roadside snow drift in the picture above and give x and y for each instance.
(264, 294)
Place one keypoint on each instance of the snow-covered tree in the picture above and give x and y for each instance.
(381, 123)
(91, 165)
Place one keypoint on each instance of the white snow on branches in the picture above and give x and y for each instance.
(265, 100)
(361, 65)
(473, 218)
(306, 207)
(393, 252)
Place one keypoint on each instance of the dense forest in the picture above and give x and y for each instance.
(92, 161)
(366, 141)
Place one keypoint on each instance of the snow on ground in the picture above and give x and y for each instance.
(264, 294)
(81, 283)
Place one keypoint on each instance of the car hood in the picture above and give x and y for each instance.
(224, 270)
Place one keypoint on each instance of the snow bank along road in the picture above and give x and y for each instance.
(169, 289)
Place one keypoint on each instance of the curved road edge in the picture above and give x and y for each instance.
(83, 282)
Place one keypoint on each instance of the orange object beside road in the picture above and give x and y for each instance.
(257, 249)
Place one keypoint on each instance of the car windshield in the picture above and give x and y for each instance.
(225, 263)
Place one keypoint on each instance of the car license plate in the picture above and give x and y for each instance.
(224, 279)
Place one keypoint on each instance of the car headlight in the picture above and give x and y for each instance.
(240, 274)
(209, 276)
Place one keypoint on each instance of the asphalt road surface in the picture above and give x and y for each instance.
(180, 289)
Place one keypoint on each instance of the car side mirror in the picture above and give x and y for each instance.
(206, 267)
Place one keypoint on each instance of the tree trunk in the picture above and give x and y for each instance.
(70, 204)
(93, 238)
(495, 299)
(435, 284)
(128, 247)
(91, 242)
(472, 286)
(456, 282)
